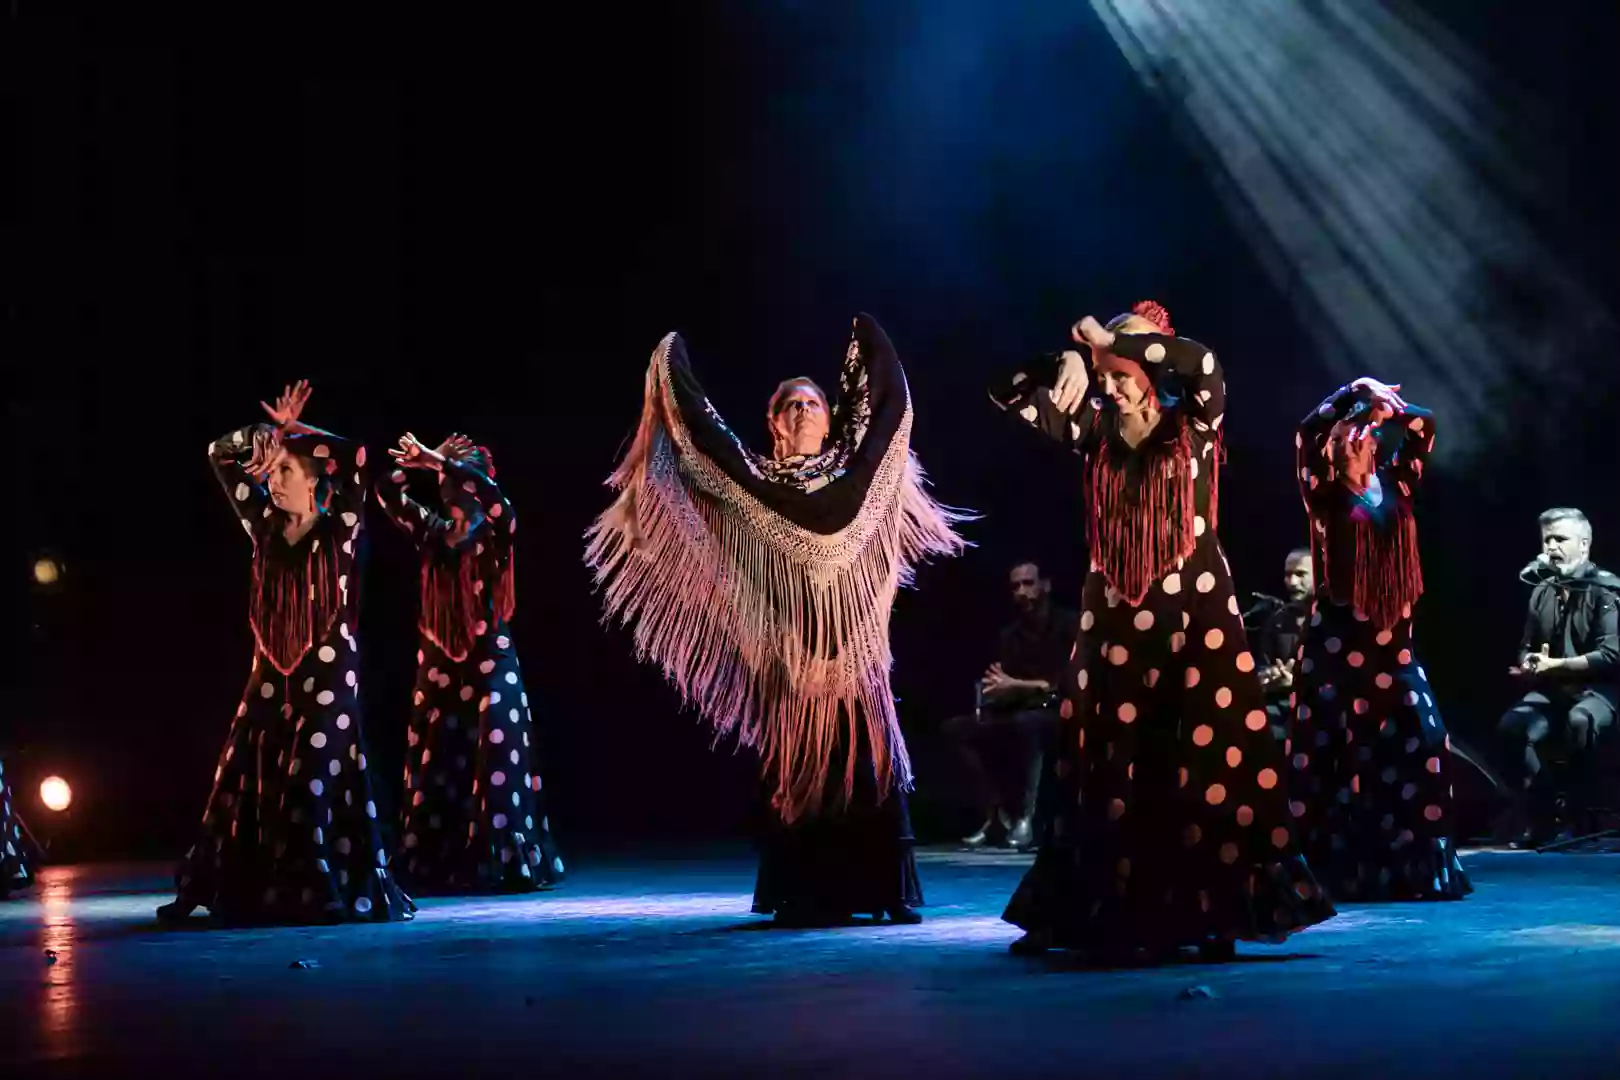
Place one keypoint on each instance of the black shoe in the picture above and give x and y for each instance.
(1034, 943)
(175, 912)
(1217, 952)
(904, 916)
(1022, 835)
(980, 839)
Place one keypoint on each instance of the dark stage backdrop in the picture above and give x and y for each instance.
(487, 225)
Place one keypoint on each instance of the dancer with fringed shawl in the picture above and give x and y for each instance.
(290, 833)
(1371, 759)
(1167, 823)
(15, 874)
(474, 817)
(762, 586)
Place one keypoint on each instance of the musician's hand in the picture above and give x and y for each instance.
(1541, 662)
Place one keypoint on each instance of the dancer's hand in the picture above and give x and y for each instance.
(267, 450)
(290, 405)
(1072, 382)
(455, 447)
(411, 454)
(1088, 331)
(1384, 396)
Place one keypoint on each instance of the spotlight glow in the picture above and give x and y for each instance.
(55, 793)
(47, 572)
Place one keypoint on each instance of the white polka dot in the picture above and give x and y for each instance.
(316, 787)
(497, 778)
(1214, 638)
(1172, 584)
(1028, 413)
(1405, 657)
(1384, 680)
(1083, 678)
(242, 492)
(1198, 523)
(349, 519)
(343, 722)
(348, 677)
(1232, 604)
(309, 684)
(318, 739)
(1178, 641)
(1355, 659)
(266, 690)
(1209, 364)
(1086, 620)
(1223, 698)
(334, 767)
(1193, 675)
(512, 715)
(1143, 620)
(327, 654)
(1245, 662)
(325, 697)
(371, 809)
(1205, 582)
(1384, 637)
(511, 678)
(1127, 712)
(1333, 645)
(1256, 720)
(466, 693)
(1117, 655)
(362, 905)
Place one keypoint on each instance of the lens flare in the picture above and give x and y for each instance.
(47, 572)
(55, 793)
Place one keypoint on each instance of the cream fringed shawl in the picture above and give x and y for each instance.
(763, 588)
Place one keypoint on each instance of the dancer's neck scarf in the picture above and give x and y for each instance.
(763, 587)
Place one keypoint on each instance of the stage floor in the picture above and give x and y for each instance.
(653, 967)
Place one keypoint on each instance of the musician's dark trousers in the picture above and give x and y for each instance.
(1001, 751)
(1578, 718)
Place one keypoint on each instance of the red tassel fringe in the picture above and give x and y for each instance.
(451, 607)
(1388, 571)
(1136, 541)
(293, 606)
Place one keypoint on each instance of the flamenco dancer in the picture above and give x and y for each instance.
(1170, 824)
(290, 831)
(763, 584)
(14, 873)
(1372, 763)
(475, 818)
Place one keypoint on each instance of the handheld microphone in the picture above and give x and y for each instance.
(1538, 568)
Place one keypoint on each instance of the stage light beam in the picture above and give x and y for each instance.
(55, 793)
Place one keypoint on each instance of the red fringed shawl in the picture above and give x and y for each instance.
(1137, 536)
(294, 602)
(1388, 575)
(452, 604)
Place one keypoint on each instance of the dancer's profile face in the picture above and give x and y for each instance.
(800, 421)
(292, 485)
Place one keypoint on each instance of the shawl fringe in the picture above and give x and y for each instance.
(1388, 573)
(1137, 536)
(294, 603)
(776, 634)
(451, 606)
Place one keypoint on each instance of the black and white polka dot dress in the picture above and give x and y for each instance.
(474, 815)
(290, 833)
(14, 872)
(1371, 763)
(1169, 824)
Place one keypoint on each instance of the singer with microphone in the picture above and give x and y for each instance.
(1568, 665)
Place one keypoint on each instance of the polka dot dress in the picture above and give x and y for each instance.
(1370, 762)
(1170, 822)
(290, 833)
(14, 872)
(474, 817)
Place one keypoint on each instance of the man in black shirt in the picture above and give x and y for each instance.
(1017, 709)
(1278, 637)
(1569, 657)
